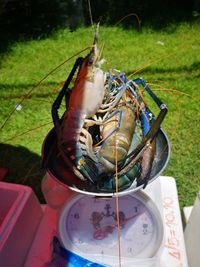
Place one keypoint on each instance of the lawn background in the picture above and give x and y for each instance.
(169, 60)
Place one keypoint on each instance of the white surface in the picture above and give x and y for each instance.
(192, 235)
(163, 191)
(187, 212)
(41, 249)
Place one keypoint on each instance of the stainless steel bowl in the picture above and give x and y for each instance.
(57, 169)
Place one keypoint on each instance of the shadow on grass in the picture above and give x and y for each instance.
(152, 70)
(24, 167)
(36, 19)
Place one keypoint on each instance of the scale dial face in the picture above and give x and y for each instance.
(88, 225)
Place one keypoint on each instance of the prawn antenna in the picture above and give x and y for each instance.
(96, 35)
(90, 12)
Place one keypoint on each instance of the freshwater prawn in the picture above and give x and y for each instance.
(104, 120)
(87, 134)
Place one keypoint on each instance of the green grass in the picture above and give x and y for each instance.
(166, 60)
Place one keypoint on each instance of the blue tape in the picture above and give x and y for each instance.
(145, 122)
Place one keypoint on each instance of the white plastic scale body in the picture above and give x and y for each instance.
(150, 233)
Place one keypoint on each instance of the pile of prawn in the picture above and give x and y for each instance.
(107, 135)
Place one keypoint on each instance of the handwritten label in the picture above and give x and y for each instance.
(172, 241)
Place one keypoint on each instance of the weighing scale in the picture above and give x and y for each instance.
(88, 227)
(162, 193)
(87, 224)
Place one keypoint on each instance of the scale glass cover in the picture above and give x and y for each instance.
(88, 227)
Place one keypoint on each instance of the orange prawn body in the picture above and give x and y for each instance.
(85, 99)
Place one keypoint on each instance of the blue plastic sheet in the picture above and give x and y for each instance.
(62, 257)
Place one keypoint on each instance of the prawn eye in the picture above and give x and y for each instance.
(90, 62)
